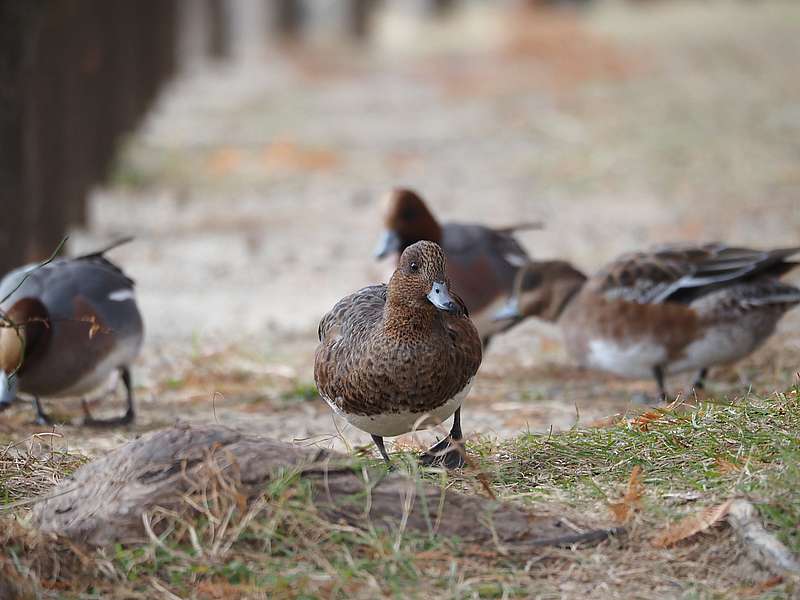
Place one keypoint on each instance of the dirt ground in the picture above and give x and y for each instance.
(255, 192)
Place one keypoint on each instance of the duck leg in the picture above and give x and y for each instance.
(700, 380)
(658, 373)
(449, 452)
(125, 419)
(42, 418)
(379, 443)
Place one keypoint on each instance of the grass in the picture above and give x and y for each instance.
(32, 467)
(714, 450)
(279, 546)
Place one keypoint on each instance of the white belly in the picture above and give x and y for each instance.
(635, 360)
(398, 423)
(718, 346)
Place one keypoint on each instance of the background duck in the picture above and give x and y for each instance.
(398, 357)
(673, 309)
(482, 262)
(78, 322)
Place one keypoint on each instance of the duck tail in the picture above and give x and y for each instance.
(111, 246)
(524, 226)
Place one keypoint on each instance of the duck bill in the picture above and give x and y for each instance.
(440, 297)
(508, 312)
(8, 389)
(388, 243)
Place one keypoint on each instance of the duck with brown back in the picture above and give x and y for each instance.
(482, 262)
(399, 357)
(672, 309)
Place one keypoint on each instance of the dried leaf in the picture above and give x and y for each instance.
(95, 327)
(624, 509)
(692, 525)
(643, 420)
(758, 589)
(224, 160)
(726, 466)
(286, 155)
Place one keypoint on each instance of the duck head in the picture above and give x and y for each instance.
(542, 289)
(419, 282)
(24, 329)
(408, 221)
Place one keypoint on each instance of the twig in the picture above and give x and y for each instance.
(47, 261)
(761, 545)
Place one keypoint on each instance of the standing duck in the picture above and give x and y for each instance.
(673, 309)
(67, 326)
(482, 262)
(399, 357)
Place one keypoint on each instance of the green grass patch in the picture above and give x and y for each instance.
(750, 447)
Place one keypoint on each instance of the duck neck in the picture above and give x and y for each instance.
(409, 322)
(570, 293)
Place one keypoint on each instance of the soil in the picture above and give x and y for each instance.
(255, 193)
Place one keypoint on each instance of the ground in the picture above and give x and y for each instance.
(255, 195)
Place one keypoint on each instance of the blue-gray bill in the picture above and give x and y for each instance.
(388, 243)
(440, 297)
(507, 312)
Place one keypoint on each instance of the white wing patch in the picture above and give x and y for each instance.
(516, 260)
(121, 295)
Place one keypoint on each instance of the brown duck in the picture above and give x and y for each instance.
(398, 357)
(675, 308)
(482, 262)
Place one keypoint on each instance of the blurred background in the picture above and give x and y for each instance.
(248, 145)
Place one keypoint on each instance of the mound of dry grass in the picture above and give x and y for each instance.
(669, 477)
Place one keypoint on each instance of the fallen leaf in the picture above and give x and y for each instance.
(726, 466)
(644, 419)
(758, 589)
(624, 509)
(95, 327)
(285, 155)
(224, 160)
(692, 525)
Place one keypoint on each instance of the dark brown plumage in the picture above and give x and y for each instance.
(672, 309)
(391, 354)
(482, 262)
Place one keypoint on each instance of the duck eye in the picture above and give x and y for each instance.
(414, 267)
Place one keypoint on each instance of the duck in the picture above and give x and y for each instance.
(402, 356)
(66, 326)
(482, 261)
(671, 309)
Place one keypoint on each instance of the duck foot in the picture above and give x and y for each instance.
(90, 421)
(448, 453)
(126, 419)
(42, 418)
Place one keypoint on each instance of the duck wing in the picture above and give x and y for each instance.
(687, 272)
(353, 313)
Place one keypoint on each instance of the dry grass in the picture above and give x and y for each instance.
(220, 545)
(33, 466)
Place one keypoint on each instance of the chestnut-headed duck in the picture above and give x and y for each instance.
(67, 325)
(482, 262)
(398, 357)
(675, 308)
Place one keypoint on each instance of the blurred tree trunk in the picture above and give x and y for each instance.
(19, 23)
(74, 76)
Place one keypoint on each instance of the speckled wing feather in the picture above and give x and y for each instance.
(685, 273)
(355, 311)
